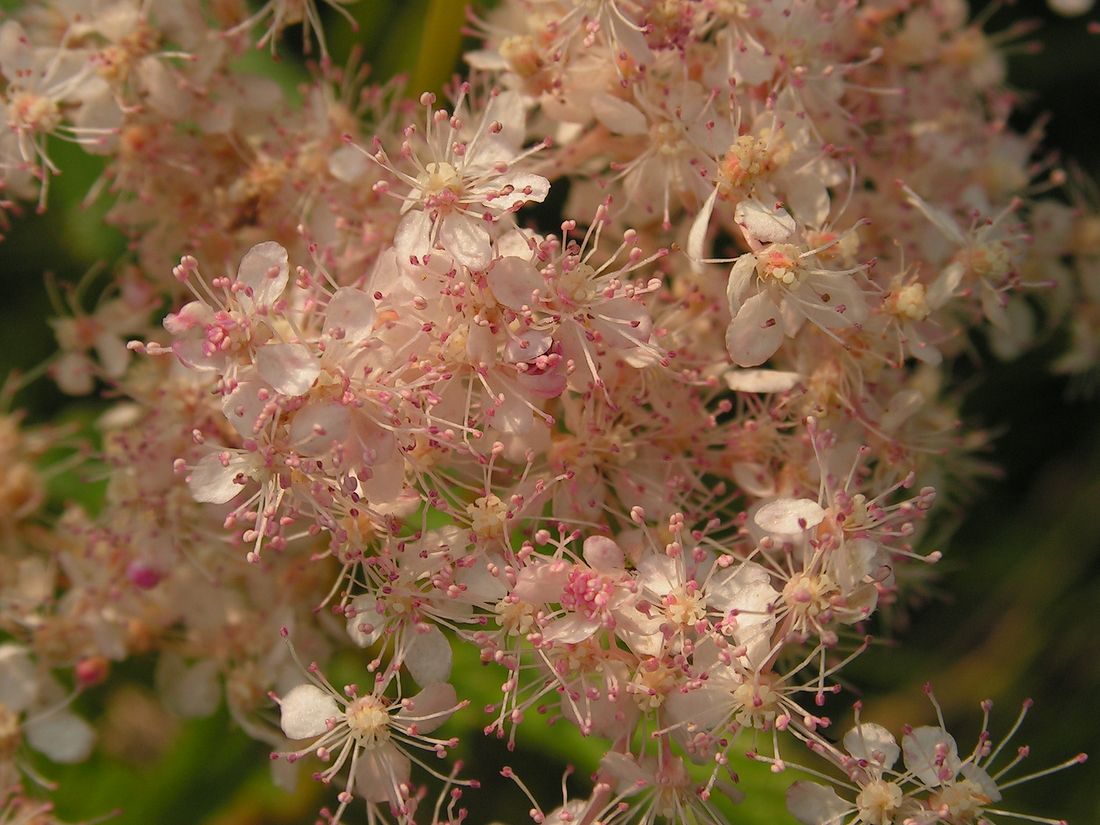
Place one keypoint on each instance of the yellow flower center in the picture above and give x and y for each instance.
(878, 801)
(369, 721)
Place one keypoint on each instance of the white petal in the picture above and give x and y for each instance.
(112, 353)
(430, 708)
(658, 573)
(697, 236)
(74, 374)
(467, 239)
(305, 712)
(942, 220)
(513, 189)
(931, 754)
(706, 707)
(570, 629)
(352, 311)
(1070, 8)
(513, 281)
(367, 625)
(428, 657)
(379, 772)
(943, 288)
(755, 332)
(994, 307)
(813, 804)
(761, 380)
(873, 743)
(348, 164)
(789, 515)
(765, 224)
(63, 737)
(603, 554)
(625, 770)
(412, 238)
(265, 270)
(213, 482)
(739, 281)
(620, 117)
(982, 779)
(318, 426)
(290, 368)
(16, 54)
(18, 680)
(244, 407)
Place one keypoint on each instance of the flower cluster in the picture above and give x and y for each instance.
(658, 449)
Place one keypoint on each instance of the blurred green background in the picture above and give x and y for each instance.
(1016, 612)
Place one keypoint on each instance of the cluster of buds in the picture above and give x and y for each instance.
(658, 449)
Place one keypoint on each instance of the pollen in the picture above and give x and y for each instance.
(780, 263)
(909, 302)
(369, 721)
(878, 802)
(745, 162)
(808, 595)
(684, 607)
(438, 179)
(34, 113)
(488, 515)
(990, 261)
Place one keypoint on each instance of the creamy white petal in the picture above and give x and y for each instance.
(306, 710)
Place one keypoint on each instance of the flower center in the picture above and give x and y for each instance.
(522, 55)
(35, 113)
(779, 262)
(807, 595)
(517, 617)
(990, 260)
(909, 302)
(487, 516)
(440, 184)
(667, 138)
(576, 284)
(963, 801)
(878, 801)
(757, 703)
(684, 606)
(744, 162)
(369, 721)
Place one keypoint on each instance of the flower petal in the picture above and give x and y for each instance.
(265, 270)
(18, 681)
(931, 754)
(430, 708)
(306, 711)
(761, 380)
(874, 743)
(64, 737)
(789, 516)
(813, 804)
(620, 117)
(351, 311)
(213, 481)
(290, 368)
(428, 657)
(763, 223)
(755, 333)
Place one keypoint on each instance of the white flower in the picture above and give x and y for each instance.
(377, 736)
(48, 726)
(460, 184)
